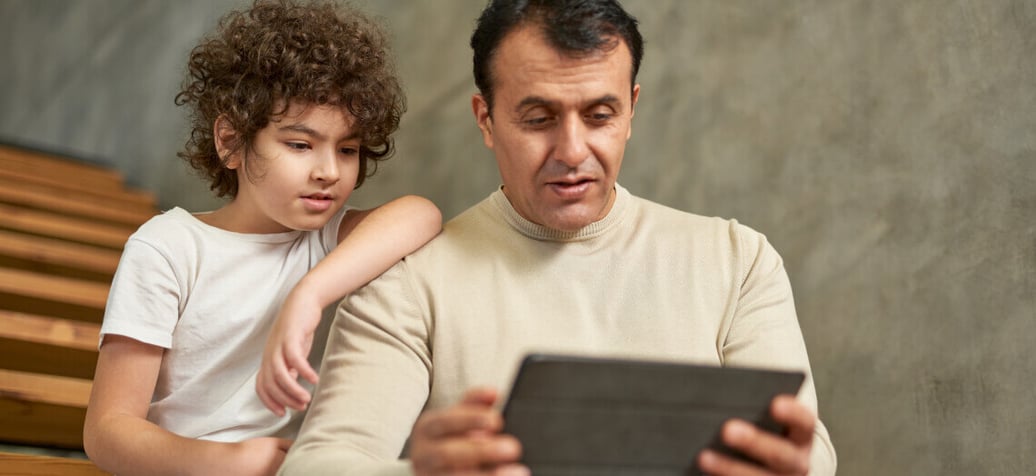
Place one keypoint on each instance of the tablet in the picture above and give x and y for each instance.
(591, 416)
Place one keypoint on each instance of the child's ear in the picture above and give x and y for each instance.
(227, 143)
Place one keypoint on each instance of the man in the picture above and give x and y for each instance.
(559, 259)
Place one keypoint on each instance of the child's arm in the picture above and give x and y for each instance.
(370, 242)
(120, 440)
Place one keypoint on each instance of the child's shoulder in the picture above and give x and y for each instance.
(169, 226)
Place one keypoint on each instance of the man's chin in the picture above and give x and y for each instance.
(571, 218)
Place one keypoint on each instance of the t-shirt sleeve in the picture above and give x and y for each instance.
(144, 301)
(329, 234)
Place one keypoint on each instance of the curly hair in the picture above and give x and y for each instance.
(276, 52)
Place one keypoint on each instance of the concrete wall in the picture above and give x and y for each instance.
(887, 148)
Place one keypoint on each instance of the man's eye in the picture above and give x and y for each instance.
(600, 117)
(537, 121)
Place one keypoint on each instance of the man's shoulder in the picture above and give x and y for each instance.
(459, 231)
(666, 218)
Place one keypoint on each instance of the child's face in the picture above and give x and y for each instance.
(304, 166)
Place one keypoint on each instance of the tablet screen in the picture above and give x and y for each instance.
(577, 415)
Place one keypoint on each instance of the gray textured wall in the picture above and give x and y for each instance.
(885, 147)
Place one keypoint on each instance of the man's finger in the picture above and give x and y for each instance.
(716, 464)
(458, 420)
(775, 452)
(483, 396)
(799, 419)
(467, 453)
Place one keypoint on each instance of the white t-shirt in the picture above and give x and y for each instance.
(209, 297)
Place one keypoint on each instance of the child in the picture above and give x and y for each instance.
(292, 105)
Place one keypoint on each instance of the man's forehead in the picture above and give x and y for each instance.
(526, 65)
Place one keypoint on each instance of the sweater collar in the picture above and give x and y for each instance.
(540, 232)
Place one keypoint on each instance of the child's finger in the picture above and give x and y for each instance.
(264, 396)
(286, 396)
(300, 363)
(286, 388)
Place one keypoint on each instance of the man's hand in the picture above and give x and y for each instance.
(465, 439)
(286, 353)
(779, 455)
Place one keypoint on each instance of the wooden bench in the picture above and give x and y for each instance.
(48, 345)
(45, 410)
(62, 169)
(46, 224)
(48, 198)
(87, 190)
(16, 464)
(57, 257)
(62, 228)
(56, 296)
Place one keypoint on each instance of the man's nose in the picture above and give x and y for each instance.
(571, 147)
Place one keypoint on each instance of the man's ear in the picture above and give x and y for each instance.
(482, 118)
(633, 109)
(227, 143)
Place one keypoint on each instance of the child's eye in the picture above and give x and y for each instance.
(349, 151)
(297, 145)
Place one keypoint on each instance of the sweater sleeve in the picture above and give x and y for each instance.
(765, 332)
(374, 384)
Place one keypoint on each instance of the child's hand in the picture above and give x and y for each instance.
(286, 353)
(257, 456)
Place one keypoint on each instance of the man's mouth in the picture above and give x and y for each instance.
(571, 189)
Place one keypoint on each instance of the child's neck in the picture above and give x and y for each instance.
(237, 218)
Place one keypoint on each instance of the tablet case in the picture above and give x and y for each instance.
(588, 416)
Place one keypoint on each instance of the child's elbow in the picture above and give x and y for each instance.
(92, 445)
(425, 214)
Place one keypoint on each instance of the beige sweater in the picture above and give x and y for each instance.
(646, 281)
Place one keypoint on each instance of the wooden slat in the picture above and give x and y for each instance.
(34, 251)
(30, 387)
(43, 307)
(28, 182)
(13, 464)
(33, 357)
(95, 176)
(135, 197)
(49, 330)
(53, 288)
(63, 227)
(29, 196)
(41, 424)
(42, 410)
(46, 345)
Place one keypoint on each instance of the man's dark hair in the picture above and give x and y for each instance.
(573, 27)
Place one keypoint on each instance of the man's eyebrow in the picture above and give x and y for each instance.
(607, 99)
(533, 101)
(540, 101)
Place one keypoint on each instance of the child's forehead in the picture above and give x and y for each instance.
(333, 120)
(295, 109)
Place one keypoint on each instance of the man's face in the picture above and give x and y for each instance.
(558, 128)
